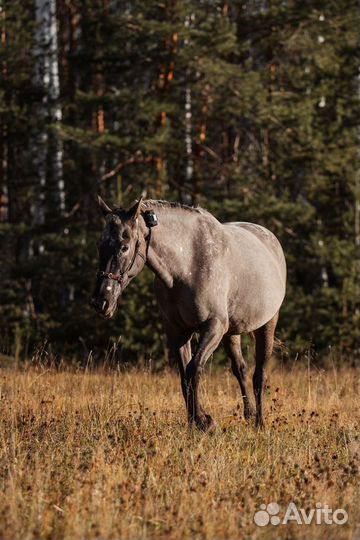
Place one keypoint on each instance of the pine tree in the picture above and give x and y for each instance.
(249, 108)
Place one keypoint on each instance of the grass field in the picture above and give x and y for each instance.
(108, 455)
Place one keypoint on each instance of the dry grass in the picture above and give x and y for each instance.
(99, 455)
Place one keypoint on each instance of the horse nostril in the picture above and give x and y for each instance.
(98, 304)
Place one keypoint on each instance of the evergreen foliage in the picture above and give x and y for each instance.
(248, 108)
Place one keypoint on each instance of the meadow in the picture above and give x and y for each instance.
(102, 454)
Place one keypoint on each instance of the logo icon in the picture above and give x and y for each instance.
(267, 514)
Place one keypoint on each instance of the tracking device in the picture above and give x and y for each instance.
(150, 218)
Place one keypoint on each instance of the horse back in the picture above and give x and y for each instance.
(266, 237)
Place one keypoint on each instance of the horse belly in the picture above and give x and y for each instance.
(250, 312)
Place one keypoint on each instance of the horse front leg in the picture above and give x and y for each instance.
(211, 334)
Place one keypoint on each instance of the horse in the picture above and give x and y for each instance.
(219, 280)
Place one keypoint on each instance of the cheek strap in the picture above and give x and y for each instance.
(151, 221)
(119, 277)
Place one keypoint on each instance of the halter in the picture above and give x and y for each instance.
(150, 221)
(120, 276)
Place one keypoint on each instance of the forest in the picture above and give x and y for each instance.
(249, 109)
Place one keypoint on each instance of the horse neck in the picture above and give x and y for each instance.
(170, 245)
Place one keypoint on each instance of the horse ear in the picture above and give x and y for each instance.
(103, 206)
(134, 211)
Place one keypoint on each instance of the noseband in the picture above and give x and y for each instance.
(120, 276)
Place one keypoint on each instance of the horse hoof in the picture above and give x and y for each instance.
(259, 424)
(205, 423)
(249, 414)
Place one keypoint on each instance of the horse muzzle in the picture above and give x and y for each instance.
(103, 307)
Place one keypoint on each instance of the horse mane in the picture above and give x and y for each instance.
(151, 203)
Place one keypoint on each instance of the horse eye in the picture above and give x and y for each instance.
(126, 235)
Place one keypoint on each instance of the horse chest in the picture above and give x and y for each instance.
(183, 304)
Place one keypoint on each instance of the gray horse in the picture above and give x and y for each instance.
(219, 280)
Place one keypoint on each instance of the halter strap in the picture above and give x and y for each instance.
(120, 276)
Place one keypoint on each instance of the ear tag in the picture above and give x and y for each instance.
(151, 219)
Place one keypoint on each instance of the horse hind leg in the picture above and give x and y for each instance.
(180, 352)
(232, 346)
(264, 339)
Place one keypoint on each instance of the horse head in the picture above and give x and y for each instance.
(122, 255)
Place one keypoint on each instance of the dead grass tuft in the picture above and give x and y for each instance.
(108, 455)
